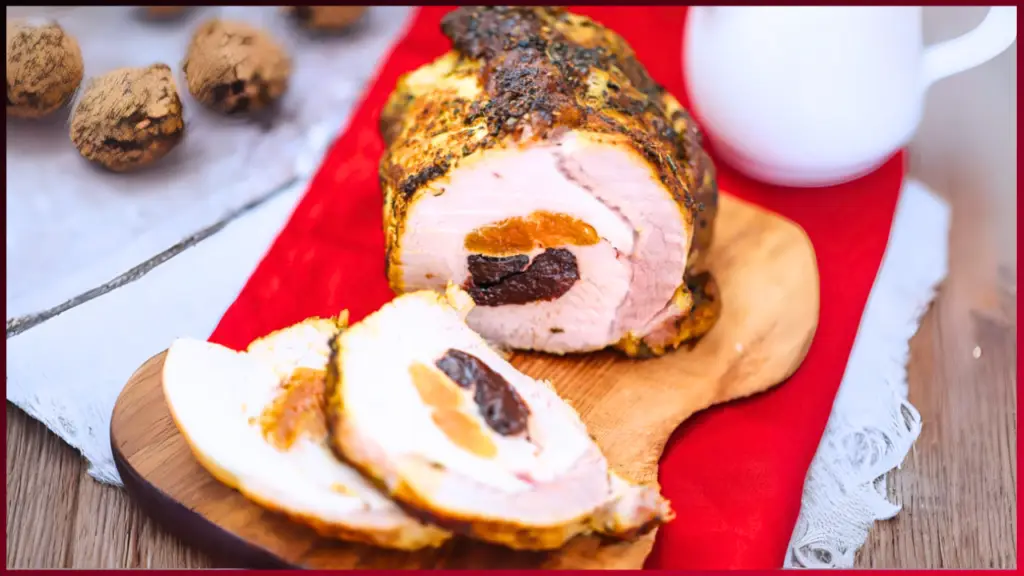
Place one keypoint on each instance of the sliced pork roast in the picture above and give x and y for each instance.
(255, 420)
(421, 403)
(541, 168)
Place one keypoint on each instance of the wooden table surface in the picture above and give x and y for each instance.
(957, 487)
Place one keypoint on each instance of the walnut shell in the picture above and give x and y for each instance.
(326, 18)
(162, 12)
(128, 118)
(44, 68)
(233, 67)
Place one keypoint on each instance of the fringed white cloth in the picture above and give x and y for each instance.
(873, 425)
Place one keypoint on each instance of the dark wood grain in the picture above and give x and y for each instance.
(751, 348)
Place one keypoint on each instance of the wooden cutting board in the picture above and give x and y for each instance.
(767, 272)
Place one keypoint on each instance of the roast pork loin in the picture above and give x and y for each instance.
(540, 167)
(456, 435)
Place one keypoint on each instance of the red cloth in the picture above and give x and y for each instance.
(734, 473)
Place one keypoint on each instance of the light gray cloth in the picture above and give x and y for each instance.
(72, 226)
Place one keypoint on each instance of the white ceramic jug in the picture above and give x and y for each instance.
(812, 96)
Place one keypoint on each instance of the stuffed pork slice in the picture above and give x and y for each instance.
(255, 420)
(421, 403)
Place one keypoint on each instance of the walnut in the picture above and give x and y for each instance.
(44, 68)
(128, 118)
(233, 67)
(326, 18)
(162, 12)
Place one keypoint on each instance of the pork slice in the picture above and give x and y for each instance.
(519, 470)
(260, 430)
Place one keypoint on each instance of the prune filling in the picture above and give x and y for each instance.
(500, 405)
(499, 281)
(487, 271)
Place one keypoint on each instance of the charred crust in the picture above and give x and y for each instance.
(632, 534)
(537, 71)
(704, 314)
(704, 291)
(689, 327)
(529, 538)
(706, 196)
(388, 248)
(433, 171)
(332, 391)
(333, 357)
(453, 525)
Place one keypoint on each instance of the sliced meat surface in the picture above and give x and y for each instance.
(462, 439)
(625, 278)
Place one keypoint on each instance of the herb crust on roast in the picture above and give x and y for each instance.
(518, 76)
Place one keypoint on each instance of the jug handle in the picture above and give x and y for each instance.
(996, 33)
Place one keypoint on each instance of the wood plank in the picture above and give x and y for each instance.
(958, 485)
(156, 548)
(111, 531)
(59, 517)
(105, 526)
(42, 494)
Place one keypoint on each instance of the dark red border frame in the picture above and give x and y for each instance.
(748, 2)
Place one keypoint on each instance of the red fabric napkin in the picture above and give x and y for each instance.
(734, 473)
